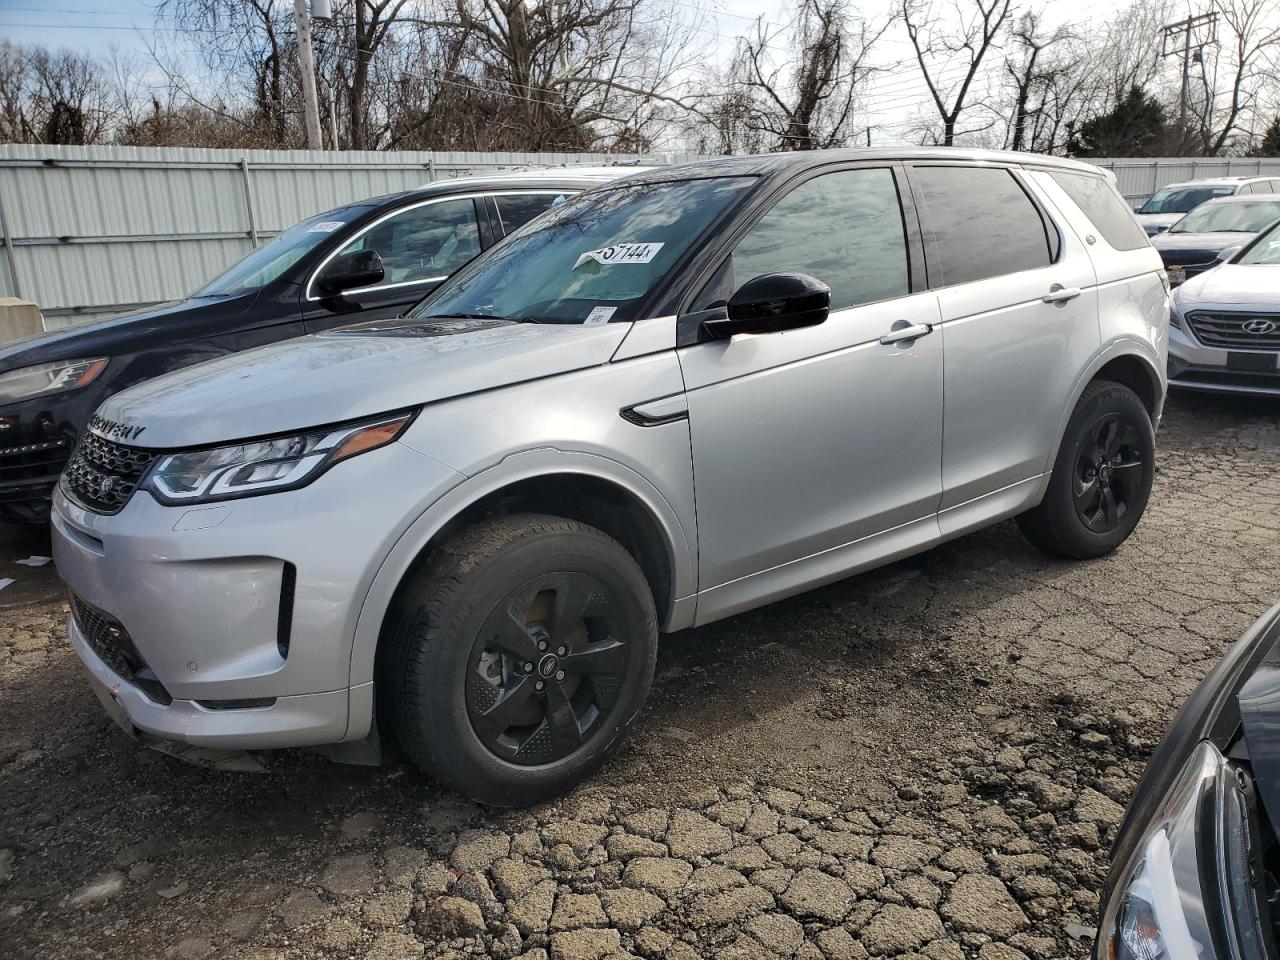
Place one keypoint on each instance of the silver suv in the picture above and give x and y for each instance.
(675, 398)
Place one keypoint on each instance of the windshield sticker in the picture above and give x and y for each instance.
(324, 226)
(621, 253)
(599, 315)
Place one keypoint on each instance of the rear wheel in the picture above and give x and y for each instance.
(517, 659)
(1101, 479)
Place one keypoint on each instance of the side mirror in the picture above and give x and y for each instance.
(1229, 253)
(360, 268)
(773, 302)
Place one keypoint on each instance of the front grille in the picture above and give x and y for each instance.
(33, 461)
(113, 645)
(1229, 330)
(102, 475)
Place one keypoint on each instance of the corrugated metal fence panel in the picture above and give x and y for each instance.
(95, 230)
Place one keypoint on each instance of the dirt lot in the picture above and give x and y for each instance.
(927, 760)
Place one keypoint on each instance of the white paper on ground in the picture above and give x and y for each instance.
(33, 561)
(5, 581)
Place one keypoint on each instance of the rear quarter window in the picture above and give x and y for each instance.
(1104, 208)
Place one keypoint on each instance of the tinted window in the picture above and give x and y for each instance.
(1103, 206)
(844, 228)
(592, 259)
(432, 240)
(979, 223)
(517, 209)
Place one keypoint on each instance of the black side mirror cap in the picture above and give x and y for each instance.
(360, 268)
(773, 302)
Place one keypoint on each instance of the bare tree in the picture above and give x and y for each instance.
(967, 36)
(1032, 76)
(803, 99)
(1252, 36)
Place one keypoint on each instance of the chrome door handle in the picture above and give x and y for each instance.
(1060, 294)
(898, 334)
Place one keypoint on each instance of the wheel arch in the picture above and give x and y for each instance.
(584, 487)
(1128, 361)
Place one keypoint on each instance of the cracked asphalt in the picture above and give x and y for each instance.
(928, 760)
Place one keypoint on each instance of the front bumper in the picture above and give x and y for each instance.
(237, 619)
(1193, 366)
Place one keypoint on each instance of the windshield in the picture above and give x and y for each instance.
(268, 262)
(1183, 199)
(1247, 216)
(592, 260)
(1266, 251)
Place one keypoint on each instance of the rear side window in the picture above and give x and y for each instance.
(517, 209)
(845, 228)
(979, 223)
(1103, 206)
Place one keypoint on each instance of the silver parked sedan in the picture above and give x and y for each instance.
(1225, 324)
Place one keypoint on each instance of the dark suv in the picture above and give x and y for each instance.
(366, 261)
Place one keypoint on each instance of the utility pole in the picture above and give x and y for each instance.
(307, 67)
(1187, 39)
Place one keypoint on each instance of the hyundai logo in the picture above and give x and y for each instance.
(1259, 327)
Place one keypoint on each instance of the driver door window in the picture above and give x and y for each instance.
(419, 246)
(421, 243)
(844, 228)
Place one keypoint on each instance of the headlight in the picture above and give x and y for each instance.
(1193, 858)
(1175, 313)
(47, 378)
(265, 466)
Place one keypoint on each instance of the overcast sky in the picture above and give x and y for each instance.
(895, 97)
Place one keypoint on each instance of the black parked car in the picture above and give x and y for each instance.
(1195, 866)
(366, 261)
(1196, 242)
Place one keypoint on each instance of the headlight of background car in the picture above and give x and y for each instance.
(48, 378)
(263, 466)
(1158, 911)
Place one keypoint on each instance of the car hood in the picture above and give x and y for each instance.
(1152, 222)
(1241, 284)
(117, 335)
(1190, 246)
(344, 374)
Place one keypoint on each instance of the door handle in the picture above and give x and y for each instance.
(1060, 294)
(913, 332)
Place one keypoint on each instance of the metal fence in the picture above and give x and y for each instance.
(92, 231)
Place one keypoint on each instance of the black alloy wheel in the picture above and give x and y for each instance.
(1101, 479)
(546, 668)
(1108, 475)
(515, 660)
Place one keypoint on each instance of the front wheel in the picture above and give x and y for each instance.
(515, 661)
(1101, 479)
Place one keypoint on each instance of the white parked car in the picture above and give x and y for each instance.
(1225, 324)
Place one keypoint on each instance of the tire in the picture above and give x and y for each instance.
(459, 659)
(1089, 510)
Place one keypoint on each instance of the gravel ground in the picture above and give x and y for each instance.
(929, 760)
